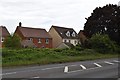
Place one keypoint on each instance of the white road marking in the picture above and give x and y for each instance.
(52, 68)
(82, 70)
(116, 61)
(83, 67)
(9, 73)
(36, 77)
(66, 69)
(108, 62)
(72, 65)
(97, 64)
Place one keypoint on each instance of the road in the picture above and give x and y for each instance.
(102, 68)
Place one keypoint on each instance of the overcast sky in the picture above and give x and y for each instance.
(44, 13)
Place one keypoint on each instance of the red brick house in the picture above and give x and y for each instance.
(3, 34)
(36, 37)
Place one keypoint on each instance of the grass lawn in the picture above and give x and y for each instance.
(24, 57)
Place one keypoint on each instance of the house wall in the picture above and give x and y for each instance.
(57, 40)
(72, 41)
(82, 37)
(3, 36)
(18, 32)
(43, 43)
(1, 43)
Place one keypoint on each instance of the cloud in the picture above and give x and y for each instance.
(44, 13)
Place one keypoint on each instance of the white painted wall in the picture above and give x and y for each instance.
(72, 41)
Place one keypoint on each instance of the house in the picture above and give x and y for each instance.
(82, 36)
(3, 34)
(65, 45)
(33, 37)
(62, 35)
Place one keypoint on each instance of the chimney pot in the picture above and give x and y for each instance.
(20, 24)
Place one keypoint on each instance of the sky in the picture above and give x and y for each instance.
(45, 13)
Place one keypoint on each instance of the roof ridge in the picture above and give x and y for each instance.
(32, 28)
(2, 26)
(61, 27)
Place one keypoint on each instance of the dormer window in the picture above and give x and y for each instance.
(73, 34)
(68, 33)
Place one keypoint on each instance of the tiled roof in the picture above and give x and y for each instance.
(3, 31)
(62, 32)
(34, 32)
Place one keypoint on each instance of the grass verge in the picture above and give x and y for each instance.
(25, 57)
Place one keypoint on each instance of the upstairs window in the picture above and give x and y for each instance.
(73, 34)
(31, 39)
(68, 33)
(39, 40)
(2, 39)
(47, 41)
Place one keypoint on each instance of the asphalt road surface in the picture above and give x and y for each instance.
(102, 68)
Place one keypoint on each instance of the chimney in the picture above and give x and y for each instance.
(119, 3)
(20, 24)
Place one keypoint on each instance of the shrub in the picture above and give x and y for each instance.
(78, 48)
(12, 42)
(102, 43)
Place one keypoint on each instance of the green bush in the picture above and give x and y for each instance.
(12, 42)
(78, 48)
(102, 43)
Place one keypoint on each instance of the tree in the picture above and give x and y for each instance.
(8, 41)
(105, 20)
(12, 41)
(102, 43)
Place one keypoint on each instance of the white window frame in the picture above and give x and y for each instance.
(47, 41)
(39, 40)
(73, 34)
(31, 39)
(2, 39)
(68, 33)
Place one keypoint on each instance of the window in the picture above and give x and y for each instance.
(69, 41)
(65, 41)
(2, 39)
(31, 39)
(68, 34)
(73, 34)
(39, 40)
(47, 41)
(75, 42)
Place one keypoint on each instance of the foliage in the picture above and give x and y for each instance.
(12, 41)
(104, 20)
(102, 43)
(31, 56)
